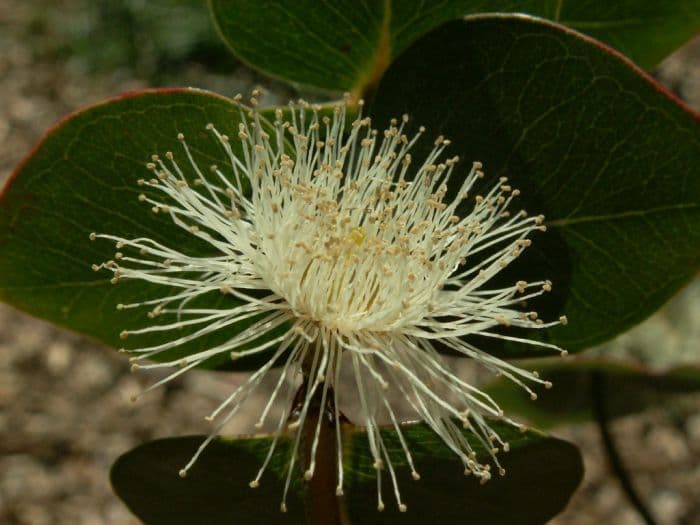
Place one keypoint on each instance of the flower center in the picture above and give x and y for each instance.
(347, 239)
(349, 269)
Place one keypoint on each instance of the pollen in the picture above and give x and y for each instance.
(358, 235)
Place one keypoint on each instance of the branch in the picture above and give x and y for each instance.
(598, 390)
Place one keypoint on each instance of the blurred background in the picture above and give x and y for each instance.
(64, 409)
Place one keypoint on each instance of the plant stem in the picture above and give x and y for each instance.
(322, 505)
(598, 390)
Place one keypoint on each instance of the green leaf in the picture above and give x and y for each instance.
(542, 473)
(644, 31)
(594, 144)
(215, 490)
(82, 178)
(347, 45)
(629, 388)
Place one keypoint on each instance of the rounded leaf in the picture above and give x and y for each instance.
(542, 473)
(593, 143)
(82, 178)
(346, 46)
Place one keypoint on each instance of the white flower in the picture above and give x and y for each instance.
(338, 253)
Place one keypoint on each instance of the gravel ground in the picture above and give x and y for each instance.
(64, 414)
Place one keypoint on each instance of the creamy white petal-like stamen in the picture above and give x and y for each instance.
(337, 251)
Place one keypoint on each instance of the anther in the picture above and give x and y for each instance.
(503, 320)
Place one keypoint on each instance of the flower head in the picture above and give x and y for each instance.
(338, 251)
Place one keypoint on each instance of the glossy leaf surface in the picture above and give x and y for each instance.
(595, 145)
(82, 178)
(346, 45)
(542, 473)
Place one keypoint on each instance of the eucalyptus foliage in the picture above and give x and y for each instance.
(561, 122)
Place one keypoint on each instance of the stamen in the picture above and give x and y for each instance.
(330, 243)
